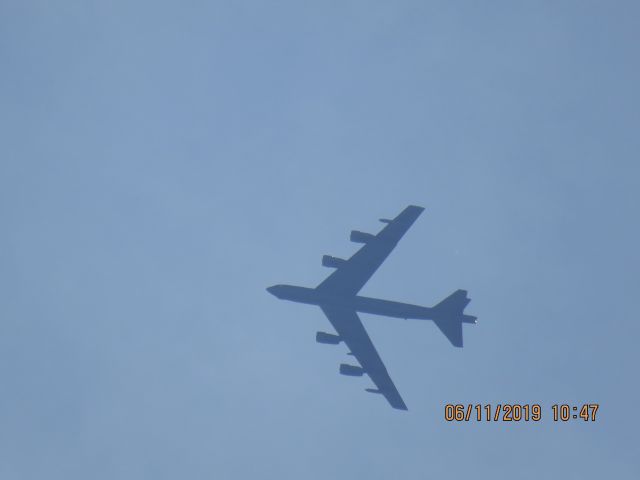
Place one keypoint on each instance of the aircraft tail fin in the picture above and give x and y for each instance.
(448, 316)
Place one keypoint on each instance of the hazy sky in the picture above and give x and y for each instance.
(162, 163)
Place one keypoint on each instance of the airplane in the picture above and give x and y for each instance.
(338, 298)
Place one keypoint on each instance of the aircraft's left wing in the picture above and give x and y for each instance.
(352, 274)
(352, 333)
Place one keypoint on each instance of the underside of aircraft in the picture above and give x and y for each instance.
(338, 298)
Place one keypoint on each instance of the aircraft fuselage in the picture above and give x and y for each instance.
(375, 306)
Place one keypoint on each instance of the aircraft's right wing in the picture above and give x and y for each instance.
(352, 333)
(351, 275)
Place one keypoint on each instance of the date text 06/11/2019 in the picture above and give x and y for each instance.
(515, 412)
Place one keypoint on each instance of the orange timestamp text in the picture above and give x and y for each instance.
(516, 412)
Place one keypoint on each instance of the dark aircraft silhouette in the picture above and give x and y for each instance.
(338, 299)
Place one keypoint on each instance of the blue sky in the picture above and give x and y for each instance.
(164, 162)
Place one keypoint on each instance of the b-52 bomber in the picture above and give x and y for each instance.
(338, 298)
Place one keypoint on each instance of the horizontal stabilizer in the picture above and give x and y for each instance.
(452, 330)
(448, 316)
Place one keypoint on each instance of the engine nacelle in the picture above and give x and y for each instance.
(351, 370)
(332, 262)
(328, 338)
(361, 237)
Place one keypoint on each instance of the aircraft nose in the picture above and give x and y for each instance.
(276, 290)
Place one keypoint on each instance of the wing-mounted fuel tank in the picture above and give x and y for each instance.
(361, 237)
(351, 370)
(332, 262)
(328, 338)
